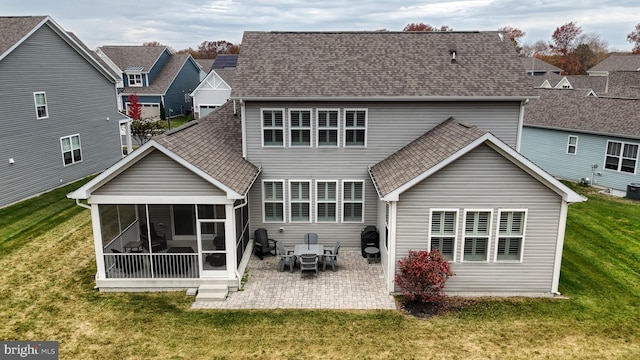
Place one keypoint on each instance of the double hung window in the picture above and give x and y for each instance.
(327, 121)
(40, 99)
(71, 150)
(443, 232)
(621, 157)
(272, 127)
(355, 127)
(300, 128)
(300, 201)
(273, 201)
(572, 145)
(326, 201)
(352, 201)
(510, 236)
(476, 235)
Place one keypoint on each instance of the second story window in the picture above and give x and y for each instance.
(300, 128)
(135, 80)
(327, 127)
(572, 145)
(40, 98)
(355, 127)
(272, 127)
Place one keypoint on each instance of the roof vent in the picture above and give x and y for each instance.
(453, 56)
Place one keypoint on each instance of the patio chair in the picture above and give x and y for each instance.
(310, 238)
(286, 257)
(308, 262)
(331, 257)
(262, 243)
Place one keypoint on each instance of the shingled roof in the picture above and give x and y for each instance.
(357, 65)
(586, 82)
(535, 64)
(127, 56)
(573, 110)
(165, 76)
(627, 62)
(214, 145)
(422, 154)
(15, 28)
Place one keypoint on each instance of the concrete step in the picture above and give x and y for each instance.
(212, 292)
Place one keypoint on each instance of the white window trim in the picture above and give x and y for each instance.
(569, 145)
(129, 75)
(621, 157)
(455, 235)
(310, 202)
(283, 201)
(345, 128)
(464, 234)
(46, 105)
(352, 202)
(310, 128)
(262, 127)
(318, 128)
(71, 144)
(337, 183)
(497, 235)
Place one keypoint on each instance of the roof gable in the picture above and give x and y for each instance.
(213, 81)
(357, 65)
(441, 146)
(627, 62)
(126, 57)
(17, 29)
(166, 75)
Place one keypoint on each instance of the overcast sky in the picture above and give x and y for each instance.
(186, 23)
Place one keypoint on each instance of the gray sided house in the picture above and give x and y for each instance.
(348, 133)
(156, 75)
(579, 137)
(53, 133)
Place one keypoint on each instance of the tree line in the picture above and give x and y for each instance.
(570, 48)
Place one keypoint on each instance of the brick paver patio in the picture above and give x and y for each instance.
(355, 284)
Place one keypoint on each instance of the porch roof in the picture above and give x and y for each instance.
(214, 145)
(441, 146)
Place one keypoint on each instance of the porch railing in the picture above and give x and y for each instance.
(145, 266)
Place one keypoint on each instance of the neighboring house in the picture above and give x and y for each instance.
(536, 67)
(158, 76)
(212, 92)
(583, 82)
(590, 139)
(329, 133)
(626, 62)
(48, 141)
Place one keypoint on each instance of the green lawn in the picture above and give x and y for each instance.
(46, 293)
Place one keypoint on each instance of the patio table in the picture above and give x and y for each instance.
(301, 249)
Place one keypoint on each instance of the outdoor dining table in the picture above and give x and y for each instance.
(301, 249)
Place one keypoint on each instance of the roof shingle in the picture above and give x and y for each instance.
(378, 64)
(214, 145)
(14, 28)
(427, 151)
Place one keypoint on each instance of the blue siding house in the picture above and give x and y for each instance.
(46, 141)
(577, 137)
(156, 75)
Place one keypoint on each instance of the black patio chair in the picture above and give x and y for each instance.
(262, 244)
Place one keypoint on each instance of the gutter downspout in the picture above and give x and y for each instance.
(235, 270)
(82, 205)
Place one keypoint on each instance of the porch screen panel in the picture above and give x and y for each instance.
(108, 222)
(184, 219)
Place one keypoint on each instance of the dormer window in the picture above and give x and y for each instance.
(135, 80)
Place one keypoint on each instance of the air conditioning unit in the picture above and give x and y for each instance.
(585, 181)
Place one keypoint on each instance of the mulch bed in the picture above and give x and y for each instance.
(427, 310)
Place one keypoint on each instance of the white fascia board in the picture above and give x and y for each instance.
(385, 98)
(85, 191)
(534, 170)
(395, 195)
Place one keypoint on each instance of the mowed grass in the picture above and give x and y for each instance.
(46, 293)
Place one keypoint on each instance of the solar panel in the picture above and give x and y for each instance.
(225, 61)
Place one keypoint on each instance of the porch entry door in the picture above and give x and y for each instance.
(212, 248)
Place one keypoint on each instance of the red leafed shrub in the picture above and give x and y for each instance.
(422, 276)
